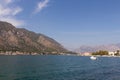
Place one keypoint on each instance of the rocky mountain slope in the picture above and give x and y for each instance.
(19, 39)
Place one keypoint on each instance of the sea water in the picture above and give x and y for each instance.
(53, 67)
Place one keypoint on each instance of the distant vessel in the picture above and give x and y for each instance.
(93, 57)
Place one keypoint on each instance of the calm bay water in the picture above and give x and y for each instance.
(58, 68)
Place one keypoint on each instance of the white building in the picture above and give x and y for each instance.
(112, 53)
(86, 54)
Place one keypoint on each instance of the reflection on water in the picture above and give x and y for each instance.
(58, 68)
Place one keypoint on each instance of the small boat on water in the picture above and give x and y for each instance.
(93, 57)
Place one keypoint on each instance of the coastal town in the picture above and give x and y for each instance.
(28, 53)
(100, 53)
(97, 53)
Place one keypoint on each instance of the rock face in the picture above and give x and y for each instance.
(19, 39)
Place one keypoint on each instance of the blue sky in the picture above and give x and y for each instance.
(73, 23)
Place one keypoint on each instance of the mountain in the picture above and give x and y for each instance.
(109, 47)
(22, 40)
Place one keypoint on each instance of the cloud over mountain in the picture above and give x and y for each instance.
(8, 12)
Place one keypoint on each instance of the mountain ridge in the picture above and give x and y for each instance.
(20, 39)
(108, 47)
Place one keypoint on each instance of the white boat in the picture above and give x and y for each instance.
(93, 57)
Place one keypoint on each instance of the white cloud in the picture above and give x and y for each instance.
(17, 10)
(12, 20)
(4, 11)
(8, 12)
(8, 1)
(41, 5)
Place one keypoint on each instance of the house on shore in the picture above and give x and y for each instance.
(112, 53)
